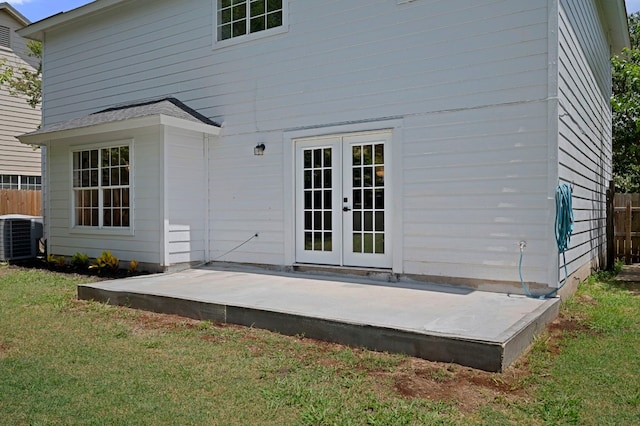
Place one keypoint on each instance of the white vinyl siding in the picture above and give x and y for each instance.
(187, 197)
(16, 116)
(331, 67)
(469, 83)
(141, 242)
(584, 126)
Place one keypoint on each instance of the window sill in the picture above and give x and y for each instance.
(123, 232)
(249, 37)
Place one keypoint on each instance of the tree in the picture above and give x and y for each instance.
(625, 104)
(23, 81)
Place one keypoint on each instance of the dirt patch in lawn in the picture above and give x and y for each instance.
(413, 378)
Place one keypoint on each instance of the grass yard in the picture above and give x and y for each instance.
(64, 361)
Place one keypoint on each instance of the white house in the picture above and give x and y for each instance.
(423, 138)
(19, 164)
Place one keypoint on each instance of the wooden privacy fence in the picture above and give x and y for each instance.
(626, 224)
(20, 202)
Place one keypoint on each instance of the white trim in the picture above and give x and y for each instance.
(553, 138)
(164, 200)
(207, 226)
(374, 126)
(37, 30)
(114, 126)
(101, 230)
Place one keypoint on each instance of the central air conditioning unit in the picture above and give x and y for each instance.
(19, 236)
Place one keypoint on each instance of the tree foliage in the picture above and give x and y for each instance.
(23, 81)
(625, 104)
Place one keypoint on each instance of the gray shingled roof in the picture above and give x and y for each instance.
(166, 106)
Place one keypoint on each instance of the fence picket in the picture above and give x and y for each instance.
(20, 202)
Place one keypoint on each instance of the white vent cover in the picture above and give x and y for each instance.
(5, 36)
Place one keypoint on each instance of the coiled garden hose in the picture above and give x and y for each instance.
(563, 230)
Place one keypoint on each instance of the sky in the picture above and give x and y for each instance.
(35, 10)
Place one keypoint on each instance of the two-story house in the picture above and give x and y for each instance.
(19, 164)
(421, 138)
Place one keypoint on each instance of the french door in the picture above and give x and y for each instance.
(342, 200)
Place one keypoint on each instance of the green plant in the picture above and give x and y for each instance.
(56, 261)
(133, 266)
(106, 263)
(80, 261)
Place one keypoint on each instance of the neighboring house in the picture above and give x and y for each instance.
(19, 164)
(424, 138)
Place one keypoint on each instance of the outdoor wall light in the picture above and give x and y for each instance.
(259, 149)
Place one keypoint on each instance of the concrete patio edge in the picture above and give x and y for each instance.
(484, 355)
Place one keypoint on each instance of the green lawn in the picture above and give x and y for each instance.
(64, 361)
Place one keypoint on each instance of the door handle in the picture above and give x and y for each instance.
(346, 209)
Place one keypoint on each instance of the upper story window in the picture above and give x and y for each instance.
(242, 18)
(5, 36)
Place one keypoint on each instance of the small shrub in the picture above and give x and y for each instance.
(56, 261)
(106, 263)
(133, 266)
(80, 261)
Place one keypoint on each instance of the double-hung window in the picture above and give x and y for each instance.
(102, 187)
(242, 18)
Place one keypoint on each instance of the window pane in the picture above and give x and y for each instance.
(327, 199)
(307, 158)
(224, 16)
(115, 176)
(328, 226)
(239, 12)
(257, 7)
(273, 5)
(357, 243)
(124, 176)
(380, 243)
(125, 218)
(328, 241)
(239, 28)
(274, 20)
(224, 32)
(367, 155)
(257, 24)
(94, 158)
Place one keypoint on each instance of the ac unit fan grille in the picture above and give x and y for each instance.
(16, 239)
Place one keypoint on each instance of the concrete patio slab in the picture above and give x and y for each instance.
(473, 328)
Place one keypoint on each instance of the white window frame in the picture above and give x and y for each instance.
(100, 229)
(249, 36)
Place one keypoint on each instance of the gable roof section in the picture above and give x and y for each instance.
(166, 107)
(14, 13)
(36, 30)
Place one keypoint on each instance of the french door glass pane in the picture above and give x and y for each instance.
(318, 193)
(368, 198)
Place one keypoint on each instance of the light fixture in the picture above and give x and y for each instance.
(259, 149)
